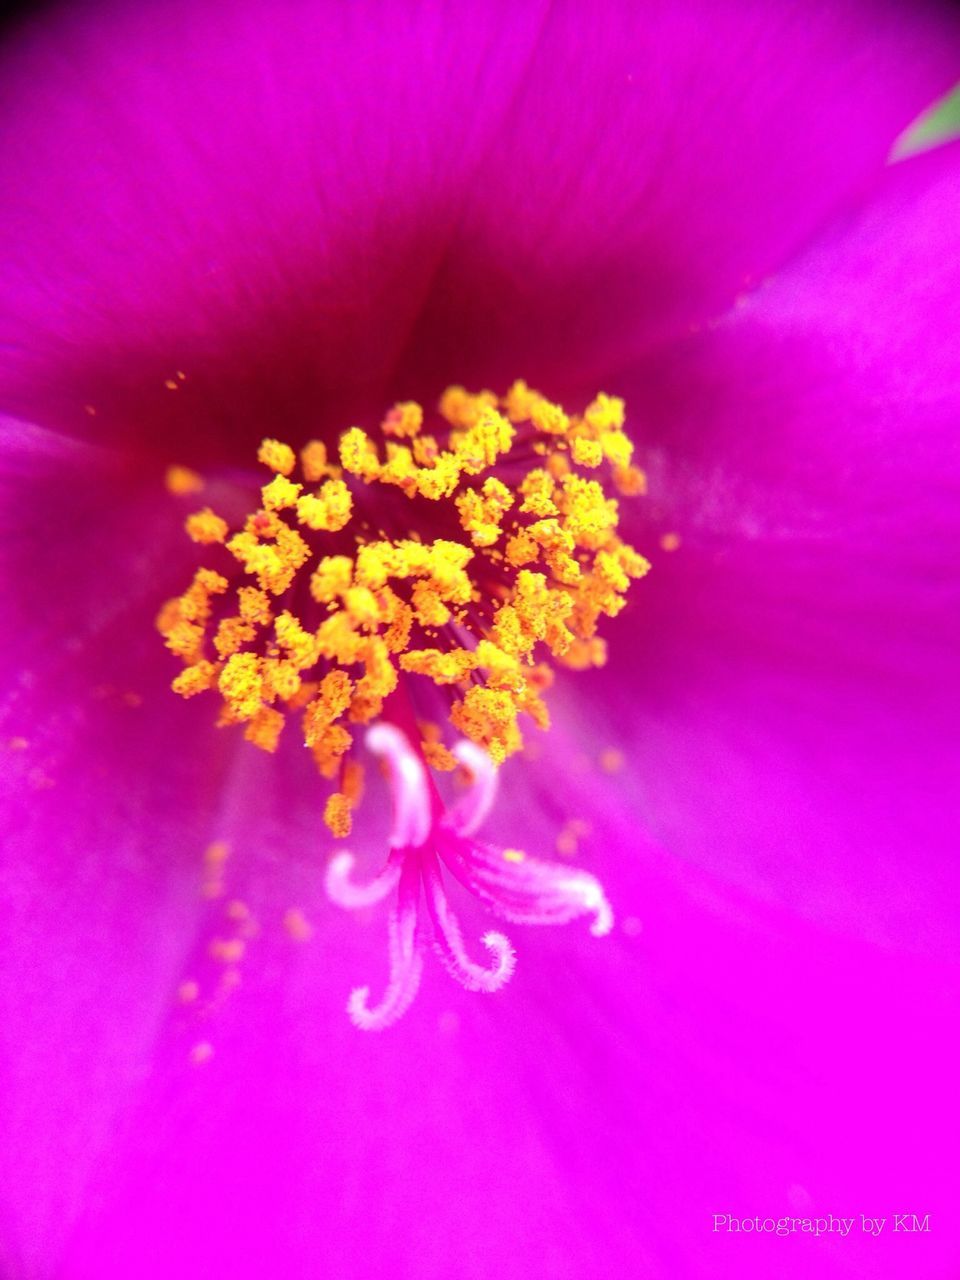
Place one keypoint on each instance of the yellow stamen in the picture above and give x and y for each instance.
(206, 527)
(313, 461)
(277, 456)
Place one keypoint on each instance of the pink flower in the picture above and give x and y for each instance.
(311, 211)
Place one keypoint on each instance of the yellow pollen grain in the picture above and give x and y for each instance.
(514, 855)
(215, 858)
(611, 760)
(216, 853)
(187, 991)
(569, 838)
(181, 481)
(328, 609)
(227, 950)
(670, 542)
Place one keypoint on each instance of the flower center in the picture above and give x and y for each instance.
(333, 605)
(448, 567)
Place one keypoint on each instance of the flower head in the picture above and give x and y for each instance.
(528, 565)
(232, 228)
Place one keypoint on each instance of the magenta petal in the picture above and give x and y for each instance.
(781, 1046)
(265, 197)
(661, 157)
(724, 1059)
(257, 195)
(796, 676)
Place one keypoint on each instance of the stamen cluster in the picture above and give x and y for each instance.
(333, 606)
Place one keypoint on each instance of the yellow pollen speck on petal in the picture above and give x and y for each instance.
(514, 855)
(611, 760)
(670, 541)
(297, 926)
(227, 950)
(337, 815)
(215, 859)
(216, 853)
(474, 556)
(240, 913)
(181, 481)
(569, 838)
